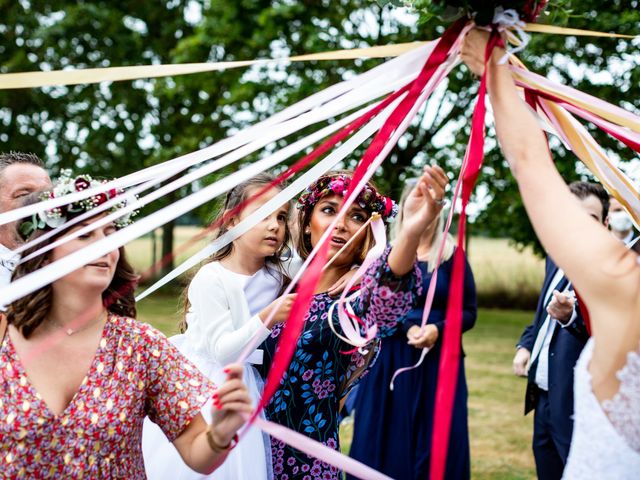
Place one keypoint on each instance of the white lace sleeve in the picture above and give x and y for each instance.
(623, 409)
(606, 437)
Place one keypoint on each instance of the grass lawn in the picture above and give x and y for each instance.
(500, 434)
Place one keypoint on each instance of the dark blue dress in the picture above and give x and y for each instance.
(308, 399)
(392, 431)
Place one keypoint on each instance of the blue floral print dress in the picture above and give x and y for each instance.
(308, 400)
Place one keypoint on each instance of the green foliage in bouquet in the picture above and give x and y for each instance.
(482, 10)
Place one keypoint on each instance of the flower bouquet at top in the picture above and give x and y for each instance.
(482, 11)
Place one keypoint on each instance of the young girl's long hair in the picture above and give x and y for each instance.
(237, 196)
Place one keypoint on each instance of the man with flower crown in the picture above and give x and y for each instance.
(20, 175)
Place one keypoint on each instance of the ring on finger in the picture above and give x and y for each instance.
(439, 201)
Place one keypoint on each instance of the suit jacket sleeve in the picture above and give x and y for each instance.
(528, 337)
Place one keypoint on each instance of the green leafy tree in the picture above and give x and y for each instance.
(112, 129)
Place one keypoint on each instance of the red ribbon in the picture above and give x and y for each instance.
(584, 311)
(450, 353)
(295, 322)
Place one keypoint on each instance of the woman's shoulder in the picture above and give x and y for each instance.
(132, 331)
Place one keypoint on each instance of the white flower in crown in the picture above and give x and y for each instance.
(65, 185)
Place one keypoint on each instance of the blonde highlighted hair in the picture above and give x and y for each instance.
(449, 245)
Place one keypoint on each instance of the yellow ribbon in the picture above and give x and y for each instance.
(579, 142)
(542, 28)
(114, 74)
(579, 146)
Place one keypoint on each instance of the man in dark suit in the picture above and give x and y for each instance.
(548, 350)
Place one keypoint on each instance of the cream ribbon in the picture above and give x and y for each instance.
(115, 74)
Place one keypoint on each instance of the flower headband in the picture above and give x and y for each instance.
(57, 216)
(368, 198)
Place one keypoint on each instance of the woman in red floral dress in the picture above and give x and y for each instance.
(79, 374)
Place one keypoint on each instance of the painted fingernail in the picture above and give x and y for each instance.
(226, 370)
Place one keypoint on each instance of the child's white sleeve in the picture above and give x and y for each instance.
(224, 337)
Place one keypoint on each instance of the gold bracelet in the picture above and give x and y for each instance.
(218, 448)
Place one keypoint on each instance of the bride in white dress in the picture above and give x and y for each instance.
(606, 434)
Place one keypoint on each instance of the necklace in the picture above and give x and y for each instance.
(70, 331)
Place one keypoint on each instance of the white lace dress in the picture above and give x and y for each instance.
(606, 438)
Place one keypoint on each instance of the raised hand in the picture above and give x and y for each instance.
(561, 306)
(425, 202)
(473, 50)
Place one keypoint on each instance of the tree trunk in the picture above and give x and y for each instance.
(167, 247)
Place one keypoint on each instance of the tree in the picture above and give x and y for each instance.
(112, 129)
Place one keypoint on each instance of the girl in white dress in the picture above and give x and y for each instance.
(229, 300)
(606, 434)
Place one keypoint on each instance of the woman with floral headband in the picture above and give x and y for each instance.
(79, 374)
(324, 366)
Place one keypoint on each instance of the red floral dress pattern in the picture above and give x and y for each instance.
(135, 372)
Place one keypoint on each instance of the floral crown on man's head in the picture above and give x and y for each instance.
(368, 198)
(65, 185)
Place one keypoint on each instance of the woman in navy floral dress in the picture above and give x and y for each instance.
(321, 372)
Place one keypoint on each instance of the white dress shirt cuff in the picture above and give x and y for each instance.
(574, 315)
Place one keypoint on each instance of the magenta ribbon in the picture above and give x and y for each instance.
(450, 353)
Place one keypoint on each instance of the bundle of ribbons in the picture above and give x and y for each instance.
(381, 103)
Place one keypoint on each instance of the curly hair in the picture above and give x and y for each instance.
(30, 311)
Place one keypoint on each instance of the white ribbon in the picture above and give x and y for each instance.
(613, 178)
(278, 157)
(377, 86)
(442, 71)
(510, 20)
(380, 78)
(287, 194)
(349, 325)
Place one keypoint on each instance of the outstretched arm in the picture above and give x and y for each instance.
(600, 267)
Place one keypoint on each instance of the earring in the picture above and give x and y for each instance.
(307, 231)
